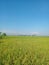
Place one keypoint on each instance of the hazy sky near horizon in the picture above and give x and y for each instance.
(24, 16)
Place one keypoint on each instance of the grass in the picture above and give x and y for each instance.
(24, 50)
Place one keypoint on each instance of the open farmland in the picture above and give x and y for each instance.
(24, 50)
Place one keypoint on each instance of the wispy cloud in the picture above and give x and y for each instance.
(14, 32)
(9, 32)
(35, 33)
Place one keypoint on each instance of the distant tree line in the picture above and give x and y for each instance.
(2, 35)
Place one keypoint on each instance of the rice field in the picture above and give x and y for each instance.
(24, 50)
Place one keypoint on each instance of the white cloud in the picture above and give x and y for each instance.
(14, 32)
(35, 33)
(9, 32)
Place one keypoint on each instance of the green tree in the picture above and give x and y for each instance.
(4, 34)
(0, 35)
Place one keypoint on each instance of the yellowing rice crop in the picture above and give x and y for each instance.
(24, 50)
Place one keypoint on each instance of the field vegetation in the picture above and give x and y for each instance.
(24, 50)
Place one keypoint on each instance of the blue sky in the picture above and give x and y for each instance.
(24, 16)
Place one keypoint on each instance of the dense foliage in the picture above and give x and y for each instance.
(2, 35)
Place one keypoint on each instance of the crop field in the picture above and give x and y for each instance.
(24, 50)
